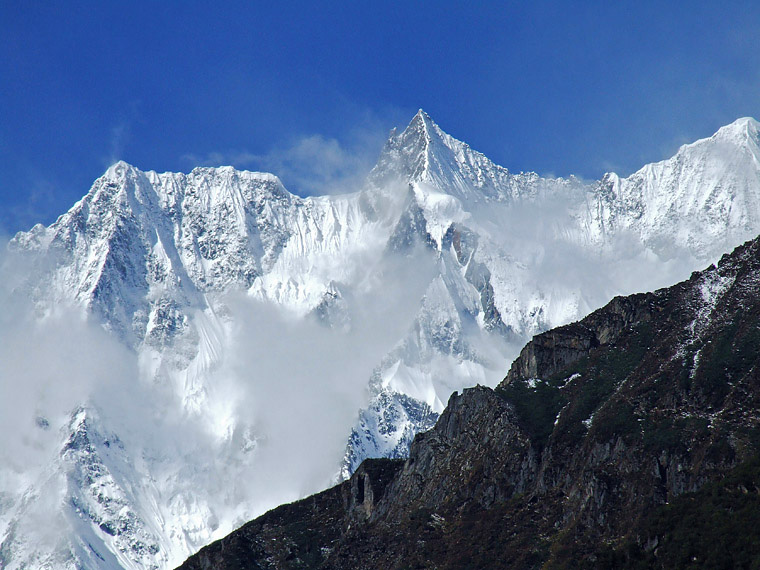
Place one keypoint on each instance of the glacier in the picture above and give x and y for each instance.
(231, 337)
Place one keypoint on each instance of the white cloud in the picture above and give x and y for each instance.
(48, 369)
(293, 387)
(309, 164)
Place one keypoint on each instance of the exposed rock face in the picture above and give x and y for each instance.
(551, 352)
(569, 461)
(302, 534)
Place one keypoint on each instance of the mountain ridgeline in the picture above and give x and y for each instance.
(269, 343)
(627, 439)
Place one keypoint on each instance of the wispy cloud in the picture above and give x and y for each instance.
(39, 204)
(277, 407)
(309, 164)
(121, 133)
(118, 139)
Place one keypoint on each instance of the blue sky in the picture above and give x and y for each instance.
(309, 90)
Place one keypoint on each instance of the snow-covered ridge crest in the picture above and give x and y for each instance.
(424, 153)
(704, 200)
(459, 258)
(169, 238)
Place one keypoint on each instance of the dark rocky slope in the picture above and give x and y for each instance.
(653, 400)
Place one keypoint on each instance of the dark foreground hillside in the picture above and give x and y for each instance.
(628, 439)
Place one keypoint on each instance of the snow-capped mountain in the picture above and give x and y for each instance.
(704, 198)
(428, 279)
(519, 254)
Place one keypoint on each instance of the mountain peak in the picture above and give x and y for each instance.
(120, 171)
(743, 123)
(419, 133)
(423, 119)
(424, 131)
(739, 137)
(118, 168)
(740, 130)
(424, 153)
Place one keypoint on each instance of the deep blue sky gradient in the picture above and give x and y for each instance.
(555, 87)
